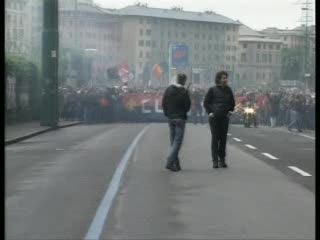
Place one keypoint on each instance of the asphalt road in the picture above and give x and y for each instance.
(58, 185)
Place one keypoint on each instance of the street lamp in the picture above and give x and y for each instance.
(93, 51)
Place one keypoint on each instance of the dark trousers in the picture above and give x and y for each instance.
(177, 129)
(219, 129)
(194, 113)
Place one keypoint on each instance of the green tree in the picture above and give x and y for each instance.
(292, 63)
(27, 80)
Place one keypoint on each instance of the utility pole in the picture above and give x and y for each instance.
(50, 47)
(306, 19)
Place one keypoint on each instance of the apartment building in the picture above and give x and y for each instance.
(259, 59)
(17, 27)
(147, 33)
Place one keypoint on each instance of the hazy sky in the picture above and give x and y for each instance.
(257, 14)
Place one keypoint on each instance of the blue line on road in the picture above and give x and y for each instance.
(96, 227)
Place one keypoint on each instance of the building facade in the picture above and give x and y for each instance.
(93, 31)
(147, 33)
(259, 57)
(17, 27)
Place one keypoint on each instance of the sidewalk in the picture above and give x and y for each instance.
(18, 132)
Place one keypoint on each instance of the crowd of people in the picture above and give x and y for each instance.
(284, 107)
(97, 105)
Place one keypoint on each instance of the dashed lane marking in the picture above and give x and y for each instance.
(237, 139)
(250, 146)
(298, 170)
(229, 134)
(270, 156)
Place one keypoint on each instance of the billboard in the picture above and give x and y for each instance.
(180, 55)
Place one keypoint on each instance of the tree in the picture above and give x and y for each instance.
(27, 81)
(292, 63)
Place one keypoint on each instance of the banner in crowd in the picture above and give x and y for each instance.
(144, 107)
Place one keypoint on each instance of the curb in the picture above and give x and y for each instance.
(19, 139)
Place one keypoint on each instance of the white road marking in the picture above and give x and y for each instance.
(250, 146)
(306, 136)
(100, 218)
(59, 149)
(270, 156)
(237, 139)
(298, 170)
(229, 134)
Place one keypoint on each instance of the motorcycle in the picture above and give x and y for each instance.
(249, 116)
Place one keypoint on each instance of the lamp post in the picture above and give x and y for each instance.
(50, 47)
(92, 51)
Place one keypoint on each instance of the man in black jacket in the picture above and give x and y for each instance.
(219, 103)
(176, 104)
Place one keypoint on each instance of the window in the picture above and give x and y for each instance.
(244, 76)
(245, 45)
(141, 20)
(141, 32)
(148, 43)
(196, 35)
(183, 35)
(210, 36)
(234, 58)
(209, 46)
(169, 34)
(259, 46)
(278, 47)
(264, 46)
(228, 38)
(70, 34)
(203, 36)
(148, 20)
(141, 43)
(196, 46)
(285, 38)
(21, 34)
(270, 75)
(243, 57)
(271, 47)
(258, 57)
(154, 45)
(270, 58)
(264, 58)
(141, 54)
(147, 55)
(148, 32)
(258, 76)
(263, 76)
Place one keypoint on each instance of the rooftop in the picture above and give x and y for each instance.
(255, 39)
(176, 13)
(245, 31)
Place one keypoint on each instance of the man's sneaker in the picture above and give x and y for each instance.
(178, 165)
(223, 164)
(215, 164)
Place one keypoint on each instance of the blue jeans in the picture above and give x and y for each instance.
(295, 118)
(177, 129)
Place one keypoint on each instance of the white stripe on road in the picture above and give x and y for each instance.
(250, 146)
(229, 134)
(298, 170)
(100, 218)
(306, 136)
(237, 139)
(270, 156)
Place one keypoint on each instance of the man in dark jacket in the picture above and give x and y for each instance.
(176, 104)
(219, 103)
